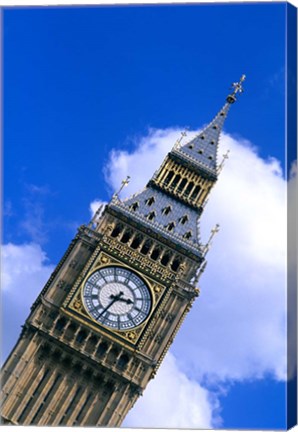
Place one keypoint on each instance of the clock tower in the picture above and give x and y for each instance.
(105, 319)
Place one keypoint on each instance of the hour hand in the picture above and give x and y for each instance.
(116, 297)
(128, 301)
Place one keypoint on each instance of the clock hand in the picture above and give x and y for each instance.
(128, 301)
(114, 299)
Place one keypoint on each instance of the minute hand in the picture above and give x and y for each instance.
(115, 298)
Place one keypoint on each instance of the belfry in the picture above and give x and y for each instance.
(105, 319)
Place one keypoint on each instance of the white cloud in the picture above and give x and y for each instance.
(172, 400)
(141, 163)
(236, 330)
(25, 269)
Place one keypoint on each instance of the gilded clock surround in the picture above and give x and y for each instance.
(74, 303)
(69, 370)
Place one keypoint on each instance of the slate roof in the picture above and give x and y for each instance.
(163, 217)
(203, 148)
(161, 221)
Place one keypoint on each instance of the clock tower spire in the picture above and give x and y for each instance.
(109, 312)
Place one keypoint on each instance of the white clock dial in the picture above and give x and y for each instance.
(117, 298)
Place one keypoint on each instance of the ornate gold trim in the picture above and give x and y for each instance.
(75, 302)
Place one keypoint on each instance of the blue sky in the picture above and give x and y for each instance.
(80, 82)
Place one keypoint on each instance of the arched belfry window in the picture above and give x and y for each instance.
(188, 189)
(146, 247)
(165, 258)
(117, 230)
(176, 181)
(195, 192)
(169, 177)
(182, 185)
(150, 201)
(136, 242)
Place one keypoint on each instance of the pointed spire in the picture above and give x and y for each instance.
(203, 148)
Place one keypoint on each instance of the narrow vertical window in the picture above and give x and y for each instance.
(134, 206)
(150, 201)
(151, 215)
(166, 210)
(183, 219)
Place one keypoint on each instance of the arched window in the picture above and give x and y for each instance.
(175, 264)
(146, 246)
(176, 181)
(136, 242)
(81, 336)
(155, 253)
(69, 333)
(126, 236)
(169, 177)
(60, 324)
(182, 184)
(166, 210)
(113, 354)
(151, 215)
(123, 361)
(102, 348)
(165, 258)
(183, 219)
(187, 235)
(170, 226)
(150, 201)
(117, 230)
(134, 206)
(92, 341)
(195, 192)
(188, 189)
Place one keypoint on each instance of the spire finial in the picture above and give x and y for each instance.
(123, 184)
(178, 142)
(237, 86)
(94, 219)
(225, 157)
(212, 234)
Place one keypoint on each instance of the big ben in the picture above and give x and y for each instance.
(105, 319)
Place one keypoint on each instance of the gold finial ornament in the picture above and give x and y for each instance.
(237, 86)
(178, 142)
(123, 184)
(212, 234)
(225, 157)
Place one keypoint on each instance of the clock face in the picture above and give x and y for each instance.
(117, 298)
